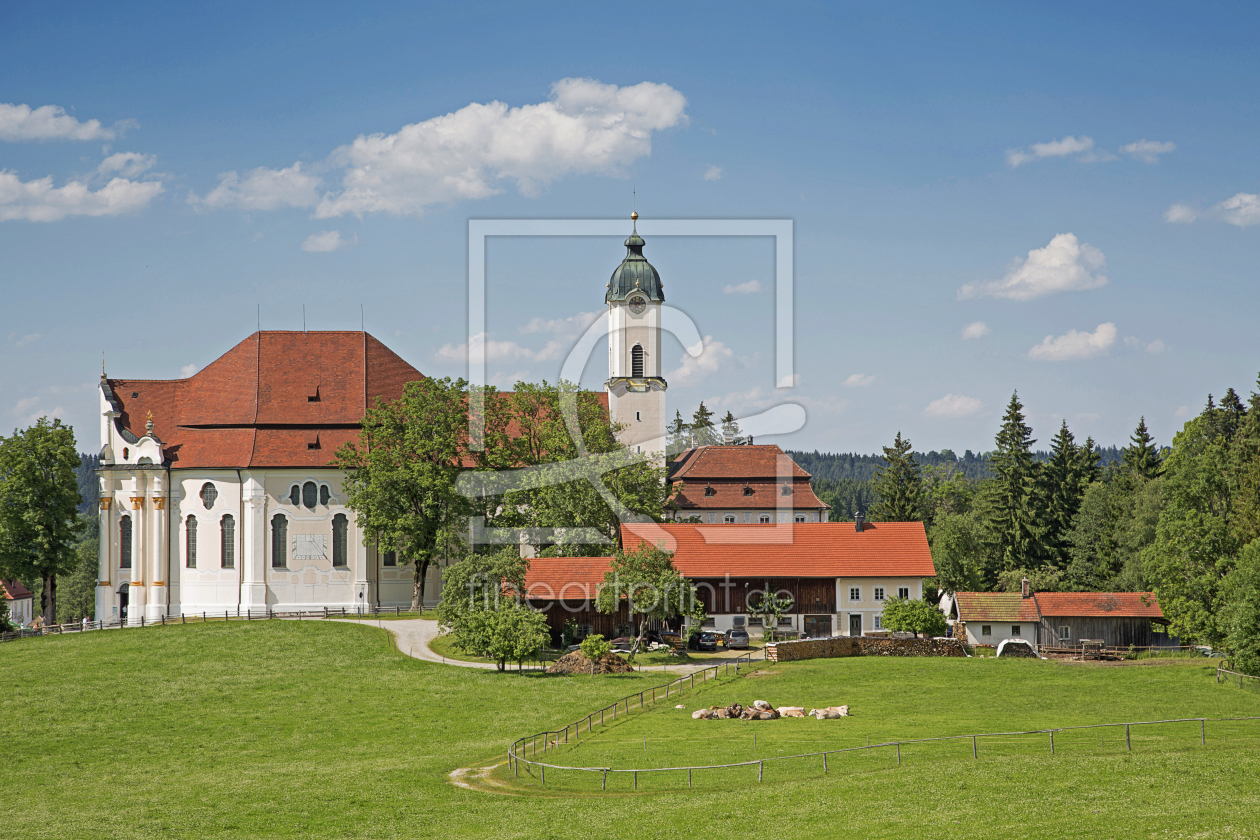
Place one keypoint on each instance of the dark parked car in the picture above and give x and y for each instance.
(705, 640)
(737, 638)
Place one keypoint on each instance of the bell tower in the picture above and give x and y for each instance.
(636, 386)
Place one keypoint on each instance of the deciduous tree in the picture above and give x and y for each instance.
(646, 581)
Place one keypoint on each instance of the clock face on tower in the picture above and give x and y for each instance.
(637, 305)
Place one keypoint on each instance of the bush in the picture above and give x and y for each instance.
(595, 647)
(915, 617)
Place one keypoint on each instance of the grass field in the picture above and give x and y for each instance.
(320, 729)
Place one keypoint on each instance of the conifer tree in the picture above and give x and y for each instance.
(1065, 477)
(1142, 457)
(730, 426)
(899, 485)
(703, 432)
(1016, 505)
(679, 434)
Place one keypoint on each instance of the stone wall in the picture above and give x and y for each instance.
(841, 646)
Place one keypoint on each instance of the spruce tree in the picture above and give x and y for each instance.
(703, 432)
(679, 434)
(899, 485)
(1016, 506)
(730, 426)
(1142, 457)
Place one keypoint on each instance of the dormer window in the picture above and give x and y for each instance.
(314, 397)
(748, 491)
(709, 491)
(313, 444)
(786, 490)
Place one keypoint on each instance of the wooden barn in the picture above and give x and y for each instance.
(1117, 619)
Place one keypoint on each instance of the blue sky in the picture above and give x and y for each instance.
(1060, 200)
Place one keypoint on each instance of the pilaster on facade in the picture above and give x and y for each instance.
(253, 539)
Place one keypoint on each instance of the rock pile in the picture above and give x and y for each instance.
(761, 710)
(577, 663)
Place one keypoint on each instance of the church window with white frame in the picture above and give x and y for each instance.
(340, 526)
(295, 496)
(124, 543)
(209, 495)
(190, 542)
(324, 494)
(279, 541)
(227, 531)
(309, 495)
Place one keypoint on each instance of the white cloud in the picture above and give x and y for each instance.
(328, 240)
(126, 164)
(713, 354)
(1148, 151)
(713, 173)
(484, 348)
(1156, 346)
(1064, 265)
(585, 127)
(1075, 345)
(47, 122)
(953, 405)
(1182, 214)
(1243, 209)
(40, 201)
(263, 189)
(1182, 411)
(188, 370)
(29, 410)
(19, 340)
(859, 380)
(751, 287)
(569, 327)
(1069, 145)
(976, 329)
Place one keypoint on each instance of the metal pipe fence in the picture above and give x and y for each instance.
(516, 759)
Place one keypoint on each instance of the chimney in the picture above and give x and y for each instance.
(728, 437)
(857, 521)
(1023, 587)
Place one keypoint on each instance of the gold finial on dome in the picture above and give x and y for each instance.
(634, 217)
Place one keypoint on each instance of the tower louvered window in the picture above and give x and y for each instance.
(124, 543)
(636, 361)
(227, 531)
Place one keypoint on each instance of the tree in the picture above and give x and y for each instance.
(1040, 579)
(771, 606)
(401, 474)
(1065, 477)
(959, 553)
(39, 501)
(911, 616)
(730, 427)
(6, 624)
(1242, 611)
(76, 594)
(899, 485)
(482, 607)
(702, 429)
(679, 435)
(1014, 505)
(646, 581)
(595, 647)
(1142, 456)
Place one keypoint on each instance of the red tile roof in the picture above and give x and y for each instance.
(1099, 604)
(730, 495)
(811, 549)
(14, 590)
(569, 578)
(996, 606)
(766, 462)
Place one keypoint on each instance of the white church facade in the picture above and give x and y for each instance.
(216, 492)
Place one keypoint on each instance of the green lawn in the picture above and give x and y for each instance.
(318, 729)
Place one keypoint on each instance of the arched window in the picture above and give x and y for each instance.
(279, 541)
(308, 494)
(729, 519)
(190, 542)
(340, 526)
(324, 494)
(763, 519)
(124, 543)
(227, 537)
(636, 361)
(295, 495)
(208, 495)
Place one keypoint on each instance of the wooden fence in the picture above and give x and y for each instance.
(1244, 680)
(516, 757)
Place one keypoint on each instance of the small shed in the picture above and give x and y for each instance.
(21, 602)
(992, 617)
(1117, 619)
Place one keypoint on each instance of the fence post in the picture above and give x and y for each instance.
(761, 769)
(973, 747)
(543, 776)
(636, 779)
(824, 762)
(899, 754)
(605, 785)
(1127, 742)
(1203, 731)
(688, 777)
(142, 624)
(1051, 742)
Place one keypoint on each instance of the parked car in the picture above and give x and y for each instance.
(705, 640)
(737, 638)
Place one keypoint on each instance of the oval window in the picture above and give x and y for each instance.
(308, 494)
(208, 495)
